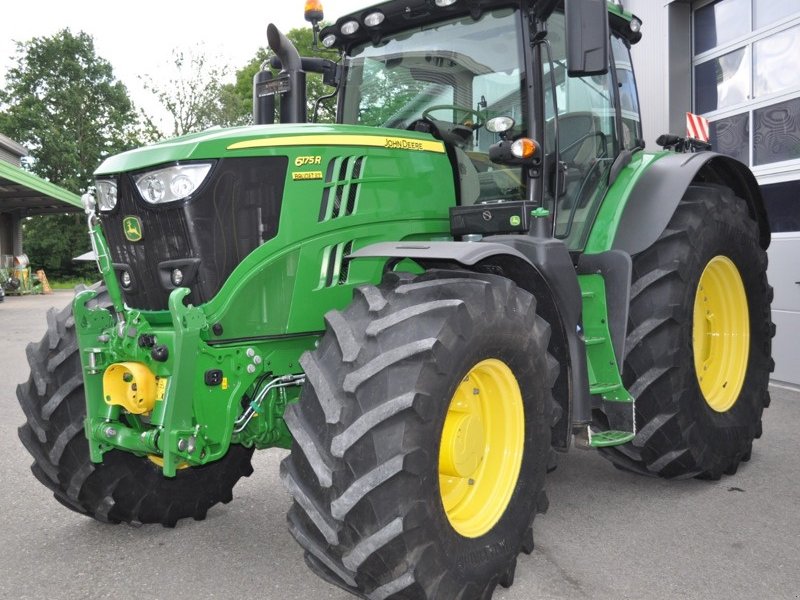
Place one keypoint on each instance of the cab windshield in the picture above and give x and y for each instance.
(454, 74)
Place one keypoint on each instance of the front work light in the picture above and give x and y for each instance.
(349, 27)
(374, 19)
(171, 183)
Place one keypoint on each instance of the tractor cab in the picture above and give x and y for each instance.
(478, 74)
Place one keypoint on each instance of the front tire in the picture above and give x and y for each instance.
(699, 341)
(124, 487)
(393, 443)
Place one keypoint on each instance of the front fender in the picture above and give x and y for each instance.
(654, 197)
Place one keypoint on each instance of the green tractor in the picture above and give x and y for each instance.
(477, 266)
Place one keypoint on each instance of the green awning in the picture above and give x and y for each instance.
(28, 194)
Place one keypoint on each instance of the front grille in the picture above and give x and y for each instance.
(206, 236)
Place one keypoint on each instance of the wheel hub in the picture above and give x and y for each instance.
(721, 333)
(480, 452)
(465, 444)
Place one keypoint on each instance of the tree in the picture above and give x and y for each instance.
(64, 104)
(195, 95)
(52, 241)
(242, 90)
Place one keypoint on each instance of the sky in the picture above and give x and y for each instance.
(138, 38)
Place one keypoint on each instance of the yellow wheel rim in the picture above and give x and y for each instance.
(721, 333)
(481, 448)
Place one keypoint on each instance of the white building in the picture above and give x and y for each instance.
(737, 62)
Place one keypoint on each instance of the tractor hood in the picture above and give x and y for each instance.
(243, 141)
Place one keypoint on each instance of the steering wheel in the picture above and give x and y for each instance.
(472, 125)
(458, 134)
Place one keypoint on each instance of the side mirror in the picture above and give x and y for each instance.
(587, 37)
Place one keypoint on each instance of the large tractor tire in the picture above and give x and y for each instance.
(421, 438)
(124, 487)
(699, 341)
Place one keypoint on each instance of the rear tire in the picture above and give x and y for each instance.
(365, 470)
(124, 487)
(681, 433)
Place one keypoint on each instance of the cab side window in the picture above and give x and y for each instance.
(585, 127)
(628, 97)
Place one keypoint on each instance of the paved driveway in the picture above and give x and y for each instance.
(608, 534)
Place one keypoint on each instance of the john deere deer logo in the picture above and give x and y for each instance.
(132, 226)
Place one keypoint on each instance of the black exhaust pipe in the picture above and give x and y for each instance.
(263, 105)
(293, 101)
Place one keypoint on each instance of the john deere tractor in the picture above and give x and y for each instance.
(476, 266)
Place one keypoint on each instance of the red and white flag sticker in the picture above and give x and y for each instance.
(697, 127)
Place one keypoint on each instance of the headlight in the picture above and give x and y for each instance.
(171, 183)
(106, 193)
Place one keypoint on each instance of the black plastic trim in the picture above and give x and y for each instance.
(657, 193)
(264, 338)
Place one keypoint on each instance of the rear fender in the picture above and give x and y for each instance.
(656, 195)
(542, 267)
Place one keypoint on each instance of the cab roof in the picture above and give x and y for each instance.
(402, 15)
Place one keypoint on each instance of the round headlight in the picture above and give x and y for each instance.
(181, 186)
(329, 40)
(443, 3)
(152, 188)
(636, 25)
(171, 183)
(125, 279)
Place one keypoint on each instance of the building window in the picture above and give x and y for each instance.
(746, 80)
(720, 22)
(781, 202)
(776, 132)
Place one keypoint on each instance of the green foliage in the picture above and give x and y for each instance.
(52, 241)
(242, 90)
(63, 103)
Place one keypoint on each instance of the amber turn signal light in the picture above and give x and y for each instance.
(523, 148)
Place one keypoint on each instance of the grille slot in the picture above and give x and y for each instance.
(344, 270)
(335, 264)
(340, 196)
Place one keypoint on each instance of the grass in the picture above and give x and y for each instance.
(68, 284)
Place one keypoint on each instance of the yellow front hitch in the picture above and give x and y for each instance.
(130, 385)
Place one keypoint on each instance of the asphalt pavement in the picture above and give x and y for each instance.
(607, 535)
